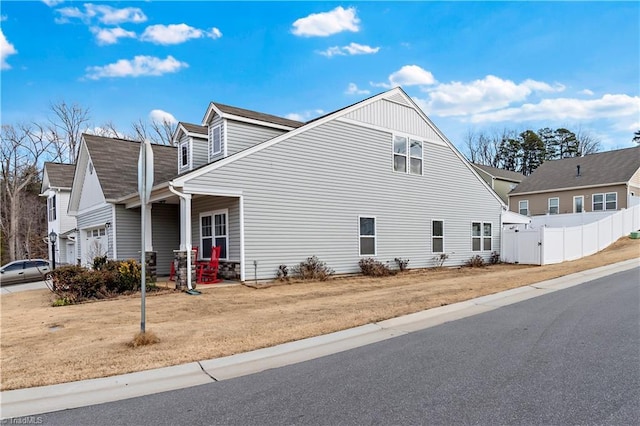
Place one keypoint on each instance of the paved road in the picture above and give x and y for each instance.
(569, 357)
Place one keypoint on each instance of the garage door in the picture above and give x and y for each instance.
(96, 244)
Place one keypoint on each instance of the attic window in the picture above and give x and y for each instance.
(407, 155)
(215, 141)
(184, 154)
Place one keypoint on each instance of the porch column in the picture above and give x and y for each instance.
(185, 222)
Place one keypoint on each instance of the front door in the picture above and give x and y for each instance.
(578, 204)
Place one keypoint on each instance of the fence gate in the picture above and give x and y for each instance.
(522, 246)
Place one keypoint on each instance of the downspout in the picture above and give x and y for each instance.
(187, 237)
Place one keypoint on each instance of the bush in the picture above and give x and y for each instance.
(99, 262)
(312, 269)
(440, 259)
(283, 273)
(373, 268)
(129, 276)
(495, 258)
(475, 262)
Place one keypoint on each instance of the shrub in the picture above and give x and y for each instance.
(129, 275)
(441, 259)
(312, 269)
(373, 268)
(402, 263)
(99, 262)
(475, 262)
(495, 258)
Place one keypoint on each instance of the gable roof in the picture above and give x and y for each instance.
(603, 168)
(391, 95)
(194, 128)
(116, 164)
(59, 175)
(500, 173)
(241, 114)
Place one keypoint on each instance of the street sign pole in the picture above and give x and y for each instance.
(145, 183)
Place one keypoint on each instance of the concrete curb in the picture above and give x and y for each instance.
(25, 402)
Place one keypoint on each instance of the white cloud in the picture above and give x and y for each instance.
(305, 116)
(327, 23)
(490, 93)
(6, 49)
(176, 33)
(105, 14)
(351, 49)
(139, 66)
(159, 116)
(3, 18)
(52, 3)
(353, 90)
(586, 92)
(111, 35)
(607, 107)
(408, 75)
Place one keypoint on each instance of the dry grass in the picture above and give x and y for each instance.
(44, 345)
(144, 339)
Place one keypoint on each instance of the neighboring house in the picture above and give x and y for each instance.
(605, 181)
(56, 187)
(106, 171)
(374, 179)
(500, 180)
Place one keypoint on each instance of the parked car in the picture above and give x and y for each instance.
(24, 271)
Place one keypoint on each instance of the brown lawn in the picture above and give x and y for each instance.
(43, 345)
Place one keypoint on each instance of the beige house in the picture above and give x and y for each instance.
(596, 182)
(500, 180)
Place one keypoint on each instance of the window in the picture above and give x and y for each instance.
(481, 235)
(607, 201)
(214, 232)
(437, 236)
(98, 232)
(400, 154)
(51, 208)
(523, 207)
(215, 141)
(367, 236)
(415, 151)
(554, 205)
(407, 158)
(184, 154)
(578, 204)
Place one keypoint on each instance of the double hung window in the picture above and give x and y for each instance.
(481, 235)
(437, 236)
(407, 155)
(214, 233)
(367, 236)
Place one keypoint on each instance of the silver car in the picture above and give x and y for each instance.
(24, 271)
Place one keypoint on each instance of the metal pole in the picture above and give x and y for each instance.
(53, 255)
(143, 256)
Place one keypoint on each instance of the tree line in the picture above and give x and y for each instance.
(524, 151)
(26, 147)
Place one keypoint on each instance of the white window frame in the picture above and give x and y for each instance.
(212, 151)
(434, 237)
(412, 157)
(578, 197)
(526, 202)
(482, 237)
(408, 140)
(615, 201)
(374, 236)
(557, 199)
(51, 208)
(214, 236)
(185, 145)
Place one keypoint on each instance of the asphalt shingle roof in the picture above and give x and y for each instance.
(258, 115)
(116, 163)
(501, 173)
(195, 128)
(60, 175)
(601, 168)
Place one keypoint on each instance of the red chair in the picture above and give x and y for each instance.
(208, 271)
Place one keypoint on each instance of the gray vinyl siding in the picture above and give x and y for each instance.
(165, 234)
(303, 196)
(92, 219)
(129, 238)
(241, 136)
(209, 204)
(200, 156)
(217, 121)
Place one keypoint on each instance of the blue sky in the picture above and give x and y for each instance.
(471, 66)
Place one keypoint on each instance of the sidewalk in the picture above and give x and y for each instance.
(25, 402)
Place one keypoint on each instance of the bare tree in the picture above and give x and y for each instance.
(587, 142)
(22, 151)
(160, 133)
(66, 129)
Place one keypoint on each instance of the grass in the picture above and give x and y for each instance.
(43, 345)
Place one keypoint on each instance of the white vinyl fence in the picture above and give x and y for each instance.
(544, 245)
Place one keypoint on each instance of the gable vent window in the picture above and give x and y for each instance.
(407, 155)
(215, 141)
(52, 208)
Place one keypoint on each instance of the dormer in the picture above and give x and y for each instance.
(191, 141)
(232, 129)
